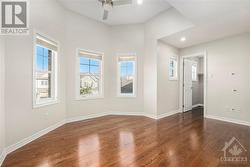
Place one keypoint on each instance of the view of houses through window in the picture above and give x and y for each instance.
(89, 76)
(90, 73)
(127, 75)
(45, 73)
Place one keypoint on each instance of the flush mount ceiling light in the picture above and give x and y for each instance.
(139, 2)
(183, 39)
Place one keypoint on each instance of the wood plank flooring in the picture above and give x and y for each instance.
(181, 140)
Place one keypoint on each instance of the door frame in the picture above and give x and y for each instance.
(181, 93)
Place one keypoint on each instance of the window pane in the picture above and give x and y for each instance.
(39, 50)
(171, 72)
(43, 85)
(94, 62)
(172, 68)
(90, 76)
(43, 59)
(90, 66)
(84, 60)
(94, 69)
(171, 64)
(89, 84)
(126, 77)
(84, 68)
(127, 85)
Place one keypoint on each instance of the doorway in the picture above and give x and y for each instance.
(193, 82)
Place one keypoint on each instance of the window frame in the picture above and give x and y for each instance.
(127, 95)
(78, 96)
(174, 78)
(54, 99)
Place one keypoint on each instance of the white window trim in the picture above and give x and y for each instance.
(176, 72)
(128, 95)
(77, 79)
(55, 98)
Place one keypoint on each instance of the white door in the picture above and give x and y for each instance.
(187, 87)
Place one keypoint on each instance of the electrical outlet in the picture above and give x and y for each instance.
(233, 109)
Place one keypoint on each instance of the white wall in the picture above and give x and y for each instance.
(84, 33)
(2, 109)
(21, 119)
(167, 90)
(92, 35)
(227, 56)
(125, 39)
(163, 25)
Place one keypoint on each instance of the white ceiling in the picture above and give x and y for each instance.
(127, 14)
(213, 19)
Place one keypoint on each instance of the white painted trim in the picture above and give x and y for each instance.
(198, 105)
(2, 157)
(33, 137)
(82, 118)
(89, 98)
(168, 114)
(199, 54)
(47, 103)
(231, 120)
(149, 115)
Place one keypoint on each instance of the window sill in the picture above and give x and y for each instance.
(89, 98)
(45, 103)
(173, 79)
(126, 96)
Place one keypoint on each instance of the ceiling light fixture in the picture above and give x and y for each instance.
(183, 39)
(139, 2)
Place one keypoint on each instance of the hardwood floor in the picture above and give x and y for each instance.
(181, 140)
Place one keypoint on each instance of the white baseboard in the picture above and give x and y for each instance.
(31, 138)
(198, 105)
(167, 114)
(81, 118)
(2, 157)
(228, 120)
(149, 115)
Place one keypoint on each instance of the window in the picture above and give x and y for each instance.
(194, 72)
(89, 77)
(173, 73)
(127, 76)
(45, 71)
